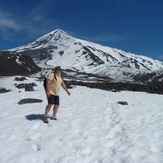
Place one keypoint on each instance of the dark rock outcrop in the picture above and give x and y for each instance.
(29, 100)
(115, 87)
(20, 79)
(28, 86)
(123, 102)
(4, 90)
(17, 64)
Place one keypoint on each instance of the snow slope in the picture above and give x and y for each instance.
(59, 48)
(91, 127)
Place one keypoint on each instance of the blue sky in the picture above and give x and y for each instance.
(135, 26)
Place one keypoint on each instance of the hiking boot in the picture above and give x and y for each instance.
(53, 118)
(45, 120)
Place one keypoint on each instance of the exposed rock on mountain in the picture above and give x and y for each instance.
(59, 48)
(17, 64)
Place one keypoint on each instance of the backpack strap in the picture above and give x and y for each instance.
(54, 77)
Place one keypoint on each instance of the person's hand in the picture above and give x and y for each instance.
(68, 92)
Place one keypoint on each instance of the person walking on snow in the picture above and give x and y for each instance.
(53, 84)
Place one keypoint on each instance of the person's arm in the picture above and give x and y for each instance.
(65, 88)
(48, 87)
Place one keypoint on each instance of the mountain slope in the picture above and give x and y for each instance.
(59, 48)
(11, 64)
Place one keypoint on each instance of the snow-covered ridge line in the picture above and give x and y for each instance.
(59, 48)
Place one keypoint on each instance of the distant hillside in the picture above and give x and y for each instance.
(17, 64)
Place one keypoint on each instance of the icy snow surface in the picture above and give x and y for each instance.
(91, 127)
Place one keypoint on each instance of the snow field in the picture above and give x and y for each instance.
(91, 127)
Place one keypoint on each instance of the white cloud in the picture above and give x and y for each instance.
(155, 54)
(107, 37)
(30, 24)
(7, 22)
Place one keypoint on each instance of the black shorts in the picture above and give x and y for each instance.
(53, 100)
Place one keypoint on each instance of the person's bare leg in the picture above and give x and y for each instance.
(55, 109)
(47, 109)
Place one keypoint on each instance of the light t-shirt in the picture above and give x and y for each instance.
(55, 85)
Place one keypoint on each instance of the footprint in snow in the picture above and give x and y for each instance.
(36, 147)
(35, 125)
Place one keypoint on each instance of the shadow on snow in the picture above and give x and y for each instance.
(33, 117)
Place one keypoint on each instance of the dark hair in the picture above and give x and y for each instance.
(57, 68)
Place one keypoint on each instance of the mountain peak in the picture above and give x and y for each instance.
(57, 35)
(59, 48)
(59, 31)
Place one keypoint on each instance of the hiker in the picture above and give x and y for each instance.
(53, 84)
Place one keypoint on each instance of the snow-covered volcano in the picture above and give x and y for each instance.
(59, 48)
